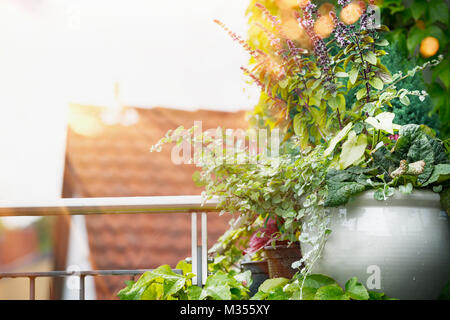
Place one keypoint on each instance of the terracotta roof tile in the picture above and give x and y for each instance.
(114, 161)
(15, 244)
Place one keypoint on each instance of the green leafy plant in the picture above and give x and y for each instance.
(416, 159)
(159, 284)
(163, 283)
(331, 150)
(314, 287)
(412, 22)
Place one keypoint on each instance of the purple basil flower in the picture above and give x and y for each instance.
(341, 33)
(343, 3)
(311, 9)
(321, 53)
(366, 20)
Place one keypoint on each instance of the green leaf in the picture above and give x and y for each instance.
(353, 74)
(317, 280)
(338, 103)
(245, 278)
(194, 292)
(123, 294)
(332, 292)
(440, 174)
(378, 296)
(135, 291)
(370, 108)
(405, 100)
(217, 287)
(343, 184)
(184, 266)
(341, 74)
(438, 11)
(382, 121)
(352, 149)
(155, 291)
(406, 189)
(358, 127)
(172, 281)
(284, 83)
(382, 43)
(349, 48)
(361, 93)
(259, 296)
(388, 191)
(278, 294)
(298, 124)
(173, 285)
(443, 72)
(270, 284)
(370, 57)
(418, 8)
(379, 194)
(415, 36)
(337, 138)
(377, 83)
(347, 60)
(356, 290)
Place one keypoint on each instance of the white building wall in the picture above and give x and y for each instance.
(78, 260)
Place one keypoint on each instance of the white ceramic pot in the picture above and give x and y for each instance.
(400, 246)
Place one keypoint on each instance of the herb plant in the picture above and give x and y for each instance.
(331, 151)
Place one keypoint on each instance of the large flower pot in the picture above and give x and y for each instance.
(400, 246)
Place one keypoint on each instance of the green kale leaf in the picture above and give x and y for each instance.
(342, 184)
(421, 149)
(385, 161)
(441, 173)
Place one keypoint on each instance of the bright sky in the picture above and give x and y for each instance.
(162, 52)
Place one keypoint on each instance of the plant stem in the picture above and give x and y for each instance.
(339, 118)
(364, 63)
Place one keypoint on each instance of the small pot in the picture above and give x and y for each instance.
(260, 273)
(281, 257)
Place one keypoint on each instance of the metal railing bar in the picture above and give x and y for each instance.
(194, 240)
(32, 288)
(82, 274)
(93, 273)
(82, 286)
(204, 248)
(112, 205)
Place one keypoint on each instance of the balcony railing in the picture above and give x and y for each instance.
(123, 205)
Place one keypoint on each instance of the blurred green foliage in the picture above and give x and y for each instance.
(418, 112)
(411, 21)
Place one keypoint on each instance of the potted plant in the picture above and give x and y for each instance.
(358, 191)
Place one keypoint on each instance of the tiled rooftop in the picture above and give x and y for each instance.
(114, 161)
